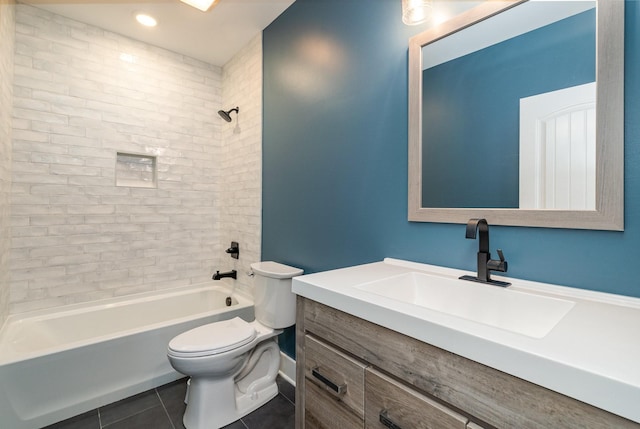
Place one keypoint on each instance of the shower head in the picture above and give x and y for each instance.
(227, 115)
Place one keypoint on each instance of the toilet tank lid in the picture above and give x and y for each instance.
(275, 270)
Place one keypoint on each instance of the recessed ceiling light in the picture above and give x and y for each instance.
(146, 20)
(203, 5)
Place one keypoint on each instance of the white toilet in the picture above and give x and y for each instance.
(233, 364)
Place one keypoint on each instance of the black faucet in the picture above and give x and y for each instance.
(218, 275)
(485, 263)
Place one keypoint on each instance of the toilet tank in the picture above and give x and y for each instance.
(275, 303)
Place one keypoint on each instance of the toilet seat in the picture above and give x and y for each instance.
(212, 339)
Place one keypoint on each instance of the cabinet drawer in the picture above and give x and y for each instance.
(322, 411)
(390, 404)
(334, 386)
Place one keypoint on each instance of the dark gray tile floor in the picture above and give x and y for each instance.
(162, 408)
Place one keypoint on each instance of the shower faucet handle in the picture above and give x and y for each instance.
(234, 250)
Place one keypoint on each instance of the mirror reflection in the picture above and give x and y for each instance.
(508, 111)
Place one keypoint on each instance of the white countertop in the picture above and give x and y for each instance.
(592, 354)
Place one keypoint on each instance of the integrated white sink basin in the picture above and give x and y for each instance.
(581, 343)
(504, 308)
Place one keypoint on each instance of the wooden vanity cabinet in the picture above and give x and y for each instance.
(344, 392)
(392, 381)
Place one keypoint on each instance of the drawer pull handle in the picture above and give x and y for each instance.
(387, 421)
(339, 389)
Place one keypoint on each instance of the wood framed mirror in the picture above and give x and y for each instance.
(603, 210)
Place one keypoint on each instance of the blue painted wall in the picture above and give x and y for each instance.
(483, 89)
(335, 158)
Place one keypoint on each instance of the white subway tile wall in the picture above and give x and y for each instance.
(7, 32)
(241, 167)
(81, 95)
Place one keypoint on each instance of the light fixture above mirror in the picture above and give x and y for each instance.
(416, 11)
(606, 213)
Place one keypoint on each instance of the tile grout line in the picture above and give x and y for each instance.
(287, 398)
(128, 416)
(165, 409)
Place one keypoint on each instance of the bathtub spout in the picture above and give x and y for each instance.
(218, 275)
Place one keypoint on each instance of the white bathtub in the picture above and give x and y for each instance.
(60, 363)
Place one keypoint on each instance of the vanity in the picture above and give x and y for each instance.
(397, 344)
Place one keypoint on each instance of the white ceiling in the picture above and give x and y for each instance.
(213, 36)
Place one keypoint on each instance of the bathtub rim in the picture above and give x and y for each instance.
(76, 308)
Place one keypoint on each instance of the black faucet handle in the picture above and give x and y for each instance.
(501, 265)
(234, 250)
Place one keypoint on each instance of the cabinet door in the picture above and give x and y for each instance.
(334, 387)
(392, 405)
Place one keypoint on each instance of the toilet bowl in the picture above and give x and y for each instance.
(233, 364)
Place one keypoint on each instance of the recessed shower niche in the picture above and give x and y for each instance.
(134, 170)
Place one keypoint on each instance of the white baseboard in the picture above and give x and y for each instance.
(288, 368)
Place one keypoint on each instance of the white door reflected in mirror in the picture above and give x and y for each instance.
(558, 149)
